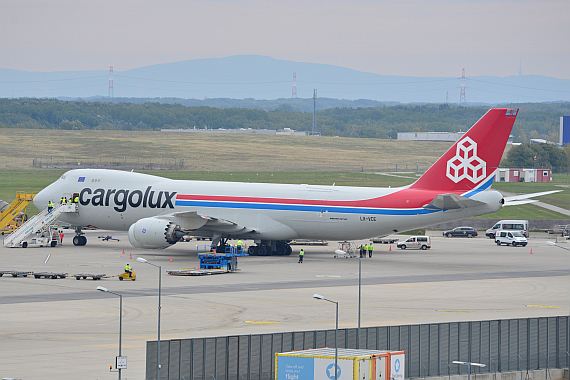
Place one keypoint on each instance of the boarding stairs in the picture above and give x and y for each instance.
(37, 224)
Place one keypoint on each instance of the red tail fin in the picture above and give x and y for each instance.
(471, 162)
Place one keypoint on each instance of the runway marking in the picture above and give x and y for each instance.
(326, 275)
(547, 307)
(263, 322)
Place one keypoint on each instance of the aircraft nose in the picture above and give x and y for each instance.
(42, 198)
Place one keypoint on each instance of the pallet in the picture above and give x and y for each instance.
(15, 273)
(50, 275)
(84, 276)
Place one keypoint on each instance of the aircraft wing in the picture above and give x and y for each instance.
(451, 202)
(522, 199)
(193, 221)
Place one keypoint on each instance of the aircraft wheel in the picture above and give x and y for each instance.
(262, 250)
(83, 240)
(289, 250)
(252, 251)
(281, 250)
(76, 240)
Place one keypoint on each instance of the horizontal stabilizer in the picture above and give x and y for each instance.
(522, 199)
(452, 202)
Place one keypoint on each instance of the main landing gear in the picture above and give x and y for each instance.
(79, 239)
(281, 249)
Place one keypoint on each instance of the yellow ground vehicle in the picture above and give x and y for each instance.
(126, 276)
(13, 215)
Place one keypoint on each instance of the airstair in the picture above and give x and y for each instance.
(15, 211)
(37, 224)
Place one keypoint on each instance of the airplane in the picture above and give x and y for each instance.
(157, 212)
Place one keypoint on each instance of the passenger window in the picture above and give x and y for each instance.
(503, 234)
(510, 235)
(496, 226)
(413, 240)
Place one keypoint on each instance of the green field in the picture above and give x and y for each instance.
(33, 180)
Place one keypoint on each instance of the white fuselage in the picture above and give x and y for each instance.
(115, 200)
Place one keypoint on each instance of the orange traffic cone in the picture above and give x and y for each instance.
(123, 251)
(390, 248)
(531, 251)
(130, 256)
(170, 258)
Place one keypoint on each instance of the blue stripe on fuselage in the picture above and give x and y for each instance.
(289, 207)
(483, 187)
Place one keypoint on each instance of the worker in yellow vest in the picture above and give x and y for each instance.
(370, 250)
(301, 255)
(239, 246)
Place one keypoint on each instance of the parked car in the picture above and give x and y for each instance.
(415, 242)
(513, 238)
(508, 225)
(462, 232)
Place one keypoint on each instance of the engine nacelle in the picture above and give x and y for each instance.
(154, 233)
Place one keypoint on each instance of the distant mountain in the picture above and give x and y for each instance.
(265, 78)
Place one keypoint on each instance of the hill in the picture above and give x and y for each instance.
(259, 77)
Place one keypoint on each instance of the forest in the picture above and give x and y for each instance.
(535, 120)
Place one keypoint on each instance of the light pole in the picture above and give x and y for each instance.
(359, 298)
(141, 260)
(120, 321)
(319, 297)
(469, 365)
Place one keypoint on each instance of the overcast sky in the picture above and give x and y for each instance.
(392, 37)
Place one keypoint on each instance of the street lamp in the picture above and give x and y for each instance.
(119, 366)
(141, 260)
(319, 297)
(469, 365)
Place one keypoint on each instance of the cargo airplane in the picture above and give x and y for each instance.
(158, 212)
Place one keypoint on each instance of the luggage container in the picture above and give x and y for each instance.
(318, 364)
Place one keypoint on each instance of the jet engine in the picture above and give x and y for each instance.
(154, 233)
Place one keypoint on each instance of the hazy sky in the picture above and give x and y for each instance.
(393, 37)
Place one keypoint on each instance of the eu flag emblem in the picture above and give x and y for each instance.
(81, 179)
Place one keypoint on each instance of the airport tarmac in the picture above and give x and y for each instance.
(64, 328)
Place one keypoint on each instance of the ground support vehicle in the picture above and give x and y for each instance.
(415, 242)
(227, 261)
(85, 275)
(513, 238)
(49, 275)
(128, 276)
(15, 273)
(521, 226)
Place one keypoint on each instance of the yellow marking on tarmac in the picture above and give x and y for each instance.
(547, 307)
(263, 322)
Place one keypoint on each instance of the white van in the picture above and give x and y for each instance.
(513, 238)
(415, 242)
(508, 225)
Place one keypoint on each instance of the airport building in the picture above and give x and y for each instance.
(523, 175)
(436, 136)
(564, 130)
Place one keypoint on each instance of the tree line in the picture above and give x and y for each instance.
(535, 120)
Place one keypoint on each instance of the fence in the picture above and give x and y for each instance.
(503, 345)
(217, 165)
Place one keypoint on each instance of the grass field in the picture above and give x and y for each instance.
(33, 180)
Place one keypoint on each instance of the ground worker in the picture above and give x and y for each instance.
(60, 237)
(129, 270)
(50, 206)
(301, 254)
(370, 249)
(76, 199)
(61, 200)
(239, 246)
(365, 249)
(361, 249)
(64, 200)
